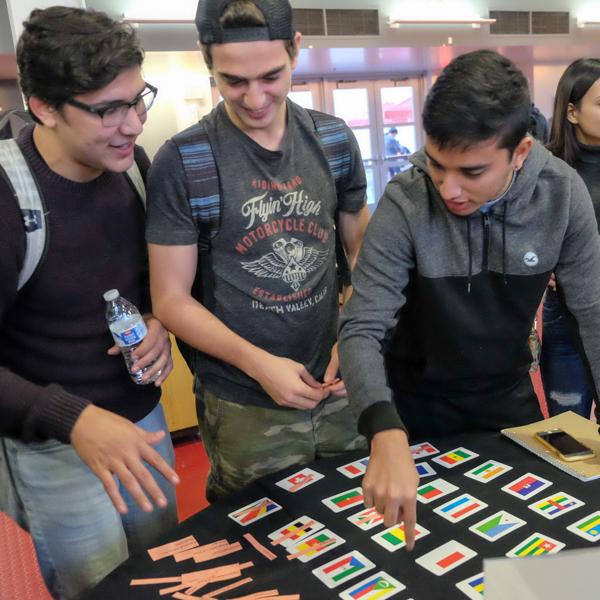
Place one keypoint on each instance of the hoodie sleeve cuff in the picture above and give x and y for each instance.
(55, 418)
(379, 417)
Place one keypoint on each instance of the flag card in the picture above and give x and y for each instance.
(393, 538)
(376, 587)
(293, 532)
(446, 557)
(488, 471)
(438, 488)
(424, 469)
(366, 519)
(460, 508)
(254, 511)
(535, 545)
(298, 481)
(455, 457)
(315, 545)
(343, 569)
(526, 486)
(588, 528)
(354, 469)
(344, 500)
(472, 587)
(423, 450)
(497, 526)
(555, 505)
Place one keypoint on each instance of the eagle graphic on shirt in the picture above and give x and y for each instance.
(290, 260)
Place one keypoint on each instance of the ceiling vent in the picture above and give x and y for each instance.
(509, 22)
(309, 21)
(516, 22)
(352, 22)
(545, 23)
(330, 22)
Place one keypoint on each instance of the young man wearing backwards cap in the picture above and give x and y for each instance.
(434, 340)
(267, 346)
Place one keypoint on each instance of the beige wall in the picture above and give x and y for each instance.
(184, 95)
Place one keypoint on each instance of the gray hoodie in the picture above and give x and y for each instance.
(448, 301)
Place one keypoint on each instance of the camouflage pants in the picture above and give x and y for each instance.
(246, 442)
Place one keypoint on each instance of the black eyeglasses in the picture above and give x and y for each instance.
(114, 113)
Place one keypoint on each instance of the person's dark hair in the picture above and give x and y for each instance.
(572, 87)
(479, 96)
(64, 52)
(393, 130)
(238, 14)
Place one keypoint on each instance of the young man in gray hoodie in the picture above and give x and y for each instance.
(434, 340)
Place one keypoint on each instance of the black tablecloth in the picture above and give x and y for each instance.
(295, 577)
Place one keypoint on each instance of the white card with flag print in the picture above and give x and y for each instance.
(535, 545)
(497, 526)
(432, 490)
(298, 481)
(254, 511)
(344, 500)
(366, 519)
(394, 538)
(376, 587)
(294, 531)
(354, 469)
(424, 469)
(315, 545)
(342, 569)
(555, 505)
(446, 557)
(588, 528)
(473, 586)
(455, 457)
(423, 450)
(460, 508)
(488, 471)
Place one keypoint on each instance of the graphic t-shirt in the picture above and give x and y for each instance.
(274, 255)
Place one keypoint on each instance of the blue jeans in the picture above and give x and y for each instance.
(565, 377)
(79, 536)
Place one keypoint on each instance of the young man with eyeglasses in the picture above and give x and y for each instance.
(85, 452)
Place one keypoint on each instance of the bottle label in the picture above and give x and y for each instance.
(131, 336)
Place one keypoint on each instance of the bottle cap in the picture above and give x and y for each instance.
(111, 295)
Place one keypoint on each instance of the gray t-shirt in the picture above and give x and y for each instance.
(274, 255)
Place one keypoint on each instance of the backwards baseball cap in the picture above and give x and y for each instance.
(278, 18)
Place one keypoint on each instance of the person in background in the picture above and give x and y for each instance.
(84, 449)
(268, 345)
(434, 340)
(394, 148)
(574, 137)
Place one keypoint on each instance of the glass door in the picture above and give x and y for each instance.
(383, 116)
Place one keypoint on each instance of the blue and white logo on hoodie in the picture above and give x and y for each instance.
(531, 259)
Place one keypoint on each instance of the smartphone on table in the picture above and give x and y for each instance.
(565, 445)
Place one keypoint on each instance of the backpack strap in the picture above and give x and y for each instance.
(29, 200)
(202, 179)
(135, 176)
(333, 135)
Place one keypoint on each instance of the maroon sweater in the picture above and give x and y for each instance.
(53, 336)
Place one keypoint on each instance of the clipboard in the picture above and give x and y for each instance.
(584, 430)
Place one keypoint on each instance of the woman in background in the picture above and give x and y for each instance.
(574, 137)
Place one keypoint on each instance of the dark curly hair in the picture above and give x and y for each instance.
(64, 52)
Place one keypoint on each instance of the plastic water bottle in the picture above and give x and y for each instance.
(128, 330)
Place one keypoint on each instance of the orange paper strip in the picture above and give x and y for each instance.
(313, 548)
(155, 580)
(226, 588)
(175, 588)
(291, 533)
(217, 553)
(172, 548)
(259, 547)
(181, 596)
